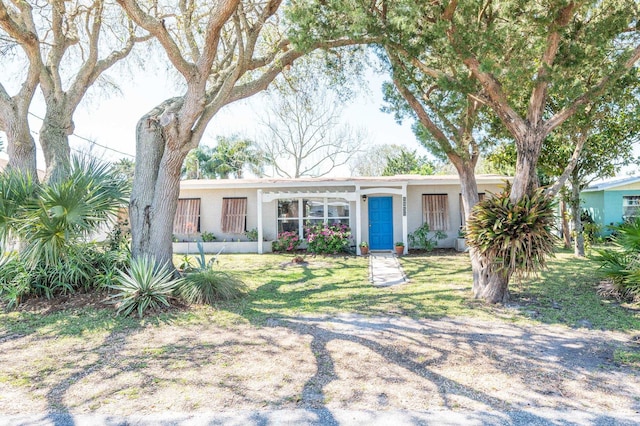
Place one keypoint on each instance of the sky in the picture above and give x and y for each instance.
(111, 120)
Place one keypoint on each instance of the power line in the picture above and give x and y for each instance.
(90, 141)
(84, 153)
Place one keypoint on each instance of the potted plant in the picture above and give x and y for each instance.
(461, 241)
(399, 248)
(364, 248)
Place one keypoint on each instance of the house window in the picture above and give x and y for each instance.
(187, 219)
(462, 219)
(295, 214)
(435, 211)
(234, 215)
(630, 206)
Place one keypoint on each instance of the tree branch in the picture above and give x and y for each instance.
(596, 90)
(538, 98)
(157, 28)
(553, 190)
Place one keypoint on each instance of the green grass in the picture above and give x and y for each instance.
(626, 357)
(440, 285)
(566, 293)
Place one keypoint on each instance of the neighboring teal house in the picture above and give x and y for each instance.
(612, 202)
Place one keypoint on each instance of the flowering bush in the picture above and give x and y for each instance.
(328, 239)
(287, 241)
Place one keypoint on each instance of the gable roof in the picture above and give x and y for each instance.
(367, 181)
(612, 184)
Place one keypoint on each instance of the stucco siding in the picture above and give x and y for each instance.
(211, 209)
(613, 205)
(593, 202)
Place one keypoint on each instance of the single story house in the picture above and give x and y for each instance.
(379, 210)
(612, 202)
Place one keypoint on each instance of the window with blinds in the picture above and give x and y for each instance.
(187, 219)
(234, 215)
(462, 219)
(435, 211)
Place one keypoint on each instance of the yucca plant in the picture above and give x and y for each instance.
(515, 239)
(143, 286)
(208, 286)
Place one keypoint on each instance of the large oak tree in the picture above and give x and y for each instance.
(67, 45)
(223, 51)
(528, 58)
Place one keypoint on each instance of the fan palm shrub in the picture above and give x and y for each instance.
(51, 223)
(514, 239)
(621, 263)
(66, 212)
(143, 286)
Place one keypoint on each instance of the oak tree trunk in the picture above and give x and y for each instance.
(525, 179)
(156, 186)
(494, 286)
(21, 147)
(469, 192)
(54, 139)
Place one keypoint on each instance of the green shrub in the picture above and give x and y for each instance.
(143, 286)
(287, 241)
(207, 286)
(328, 239)
(252, 235)
(513, 238)
(208, 237)
(621, 264)
(421, 238)
(15, 281)
(83, 268)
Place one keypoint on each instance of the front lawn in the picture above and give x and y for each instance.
(440, 285)
(318, 334)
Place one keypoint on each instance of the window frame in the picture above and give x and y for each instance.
(303, 218)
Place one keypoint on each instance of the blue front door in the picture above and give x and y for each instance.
(380, 223)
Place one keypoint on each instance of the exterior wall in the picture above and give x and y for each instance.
(211, 210)
(606, 206)
(593, 202)
(415, 214)
(613, 205)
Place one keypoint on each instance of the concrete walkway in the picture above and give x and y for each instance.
(385, 269)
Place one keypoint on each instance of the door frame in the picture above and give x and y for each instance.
(389, 215)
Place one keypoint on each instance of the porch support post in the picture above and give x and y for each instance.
(404, 219)
(358, 220)
(260, 238)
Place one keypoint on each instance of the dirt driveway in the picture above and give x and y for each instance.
(343, 362)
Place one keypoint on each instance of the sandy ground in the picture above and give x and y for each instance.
(344, 362)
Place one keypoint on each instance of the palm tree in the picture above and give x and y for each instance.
(230, 157)
(50, 219)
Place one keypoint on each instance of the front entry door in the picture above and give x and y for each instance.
(380, 223)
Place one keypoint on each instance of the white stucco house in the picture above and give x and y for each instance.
(379, 210)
